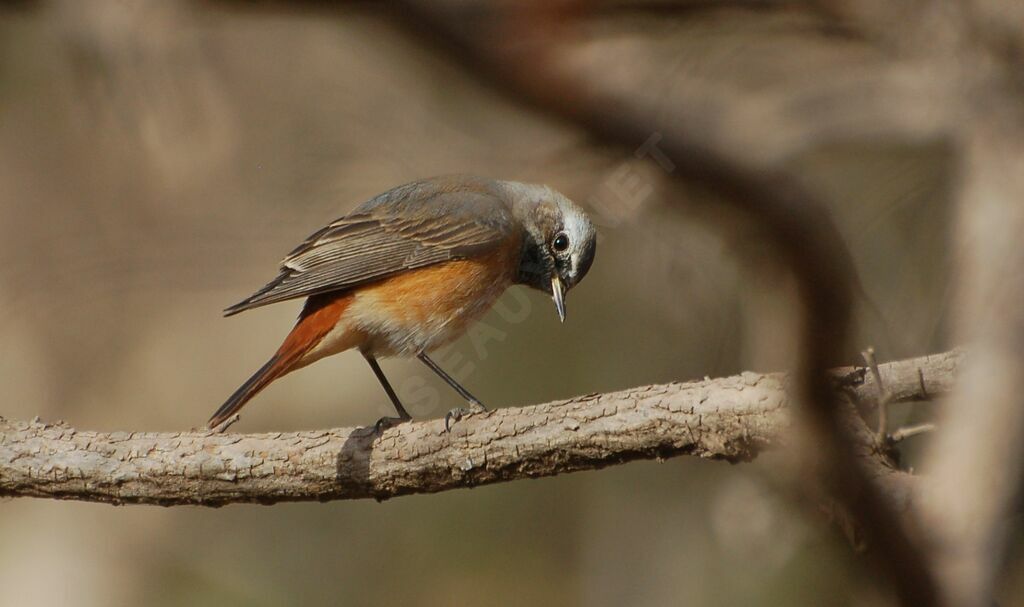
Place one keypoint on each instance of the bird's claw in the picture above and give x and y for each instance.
(387, 422)
(454, 415)
(458, 413)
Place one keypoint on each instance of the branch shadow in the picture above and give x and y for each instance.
(352, 465)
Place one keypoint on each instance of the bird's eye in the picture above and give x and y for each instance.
(561, 242)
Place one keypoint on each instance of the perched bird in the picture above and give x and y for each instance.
(407, 271)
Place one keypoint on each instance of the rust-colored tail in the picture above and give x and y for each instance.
(320, 314)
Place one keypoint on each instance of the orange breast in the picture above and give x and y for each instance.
(429, 307)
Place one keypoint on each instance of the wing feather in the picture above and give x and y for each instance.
(413, 226)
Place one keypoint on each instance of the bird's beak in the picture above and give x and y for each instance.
(558, 294)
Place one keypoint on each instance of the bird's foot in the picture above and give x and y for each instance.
(388, 422)
(458, 413)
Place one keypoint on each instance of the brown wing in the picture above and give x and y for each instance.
(412, 226)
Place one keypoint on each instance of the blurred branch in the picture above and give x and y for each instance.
(972, 490)
(733, 419)
(524, 52)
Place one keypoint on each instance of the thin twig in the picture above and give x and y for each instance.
(884, 397)
(920, 381)
(908, 431)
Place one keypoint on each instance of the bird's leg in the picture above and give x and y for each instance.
(475, 406)
(386, 422)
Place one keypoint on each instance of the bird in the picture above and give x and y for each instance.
(409, 270)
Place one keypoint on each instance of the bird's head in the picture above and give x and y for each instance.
(560, 240)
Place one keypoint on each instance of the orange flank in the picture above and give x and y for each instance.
(440, 291)
(421, 310)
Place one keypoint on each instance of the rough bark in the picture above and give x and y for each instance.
(733, 419)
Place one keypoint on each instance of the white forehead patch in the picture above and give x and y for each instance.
(530, 191)
(574, 220)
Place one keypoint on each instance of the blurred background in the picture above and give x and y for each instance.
(157, 159)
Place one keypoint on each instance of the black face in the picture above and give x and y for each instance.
(536, 266)
(558, 254)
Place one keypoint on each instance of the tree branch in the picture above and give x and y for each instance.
(733, 419)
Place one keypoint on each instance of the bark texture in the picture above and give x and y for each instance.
(733, 419)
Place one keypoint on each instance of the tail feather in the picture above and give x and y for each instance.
(259, 380)
(319, 316)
